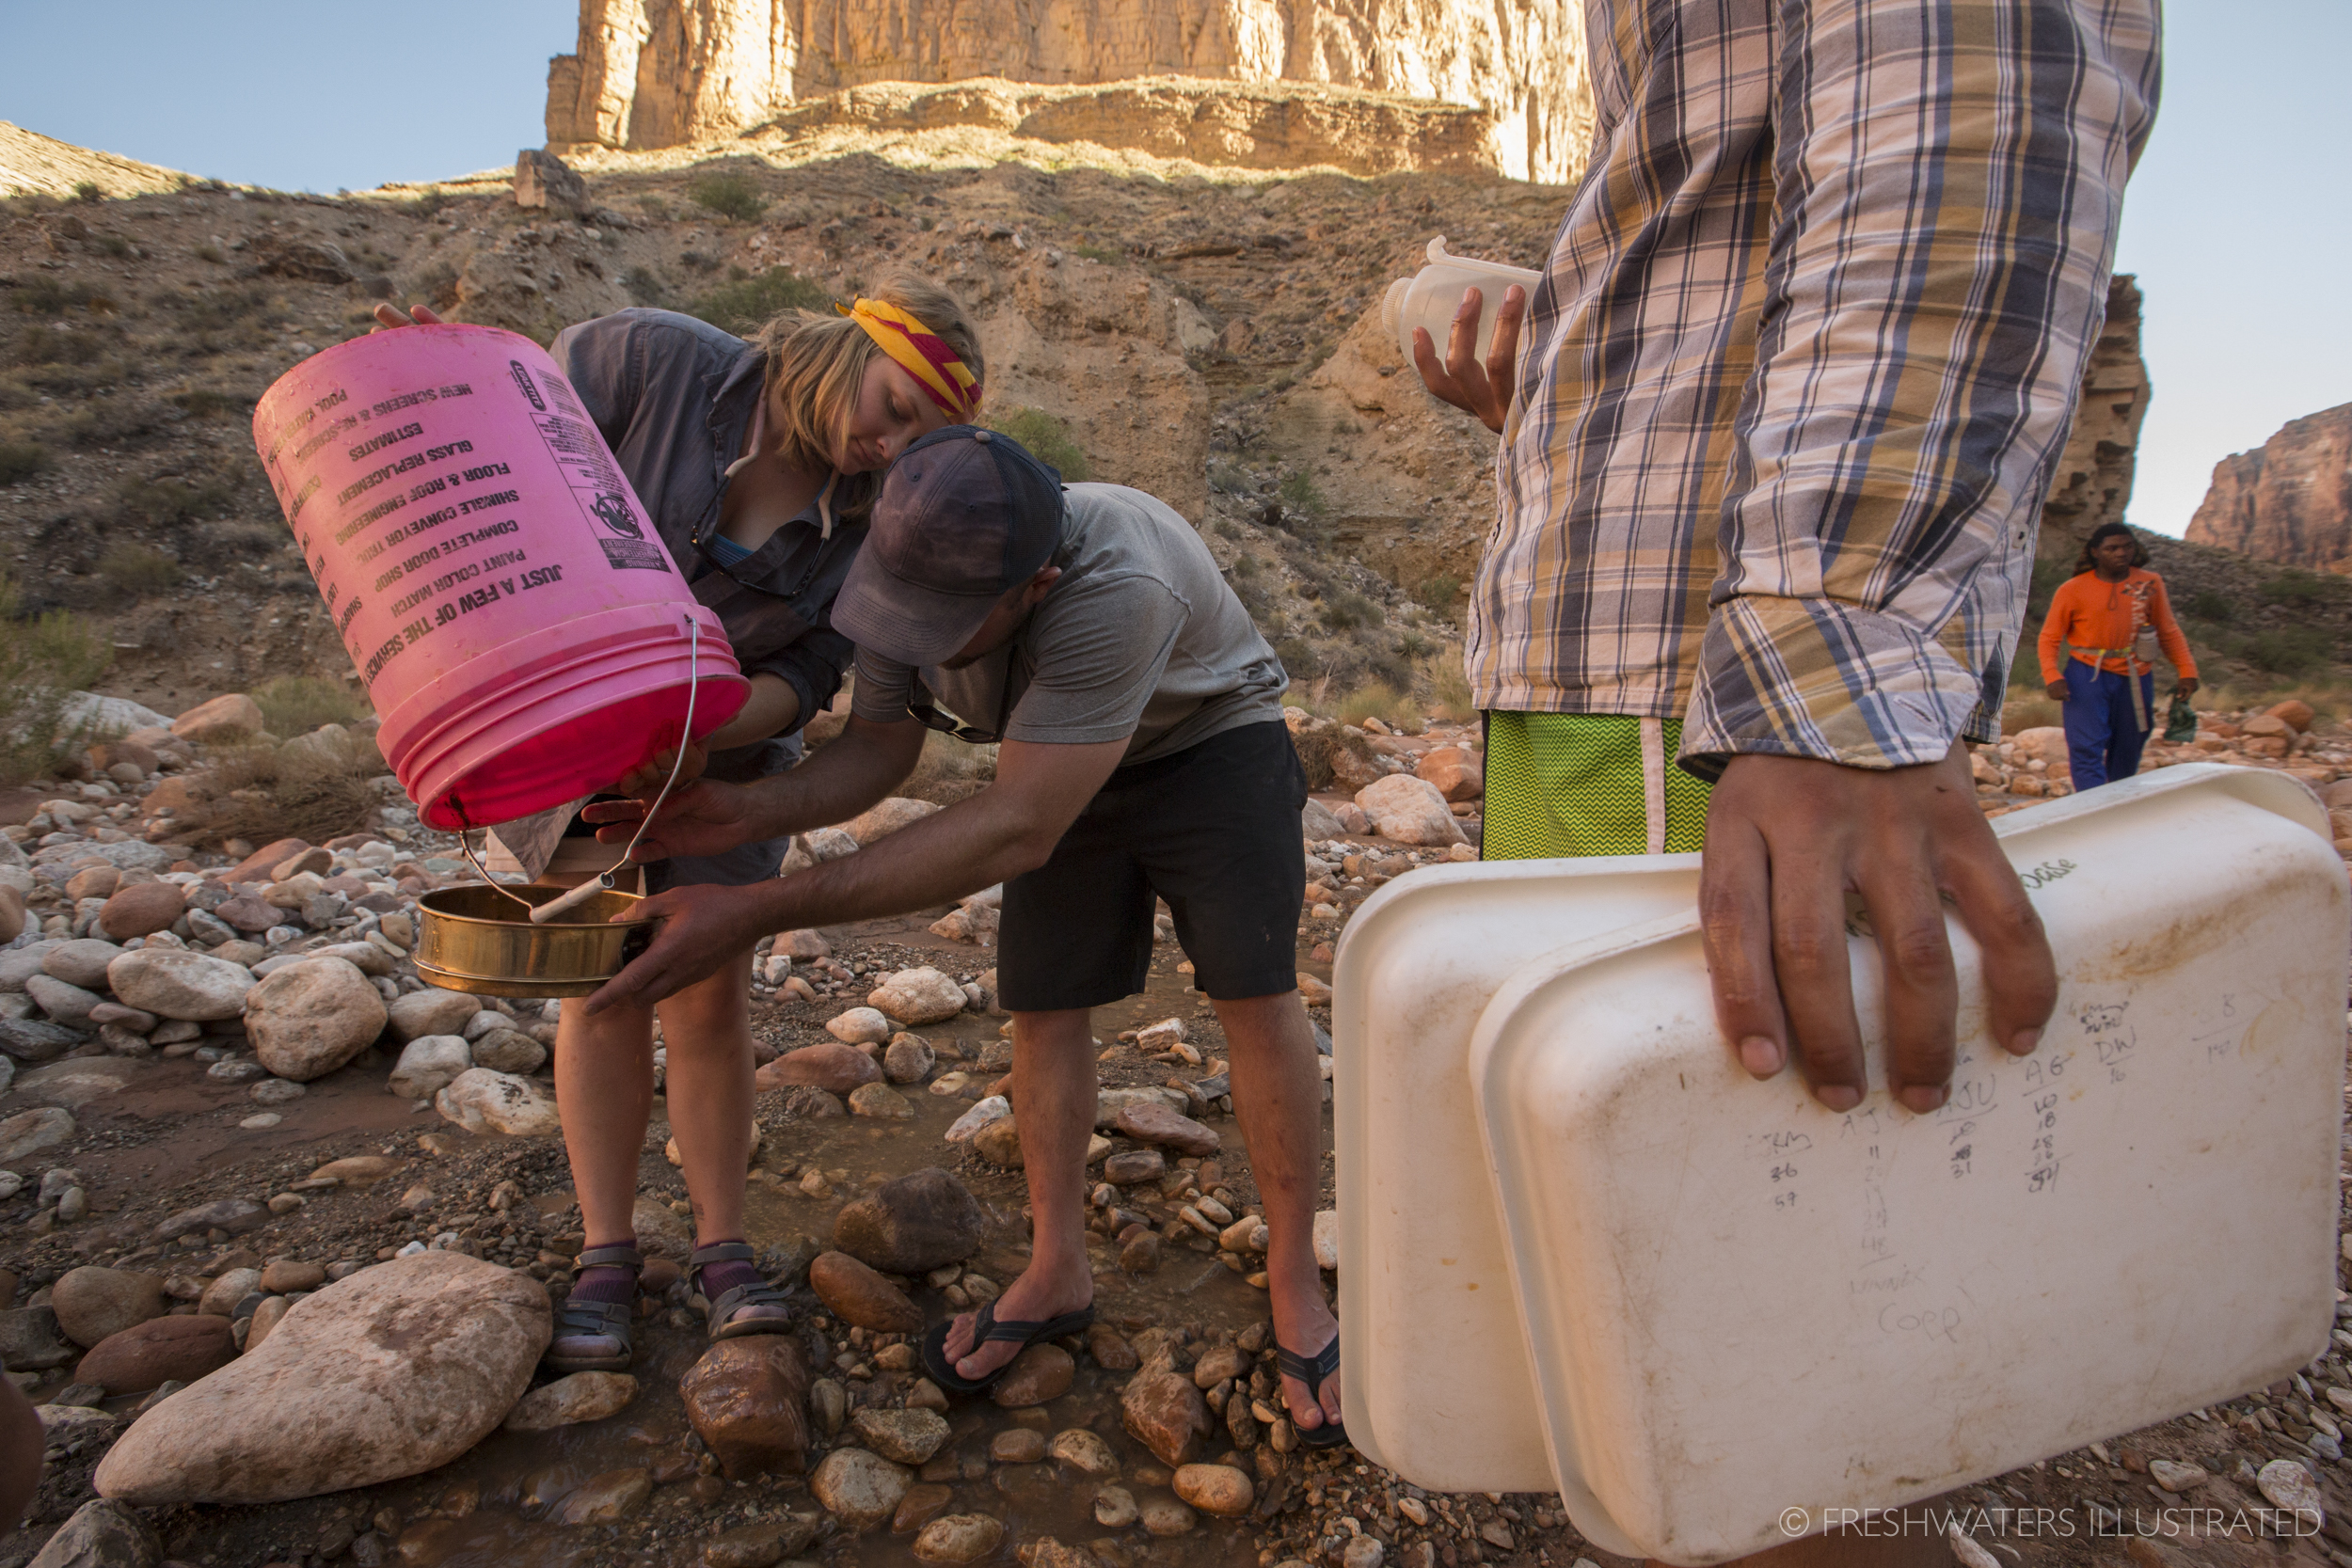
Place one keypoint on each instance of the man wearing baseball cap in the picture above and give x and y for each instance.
(1143, 756)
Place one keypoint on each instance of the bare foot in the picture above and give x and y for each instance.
(1303, 1324)
(1043, 1293)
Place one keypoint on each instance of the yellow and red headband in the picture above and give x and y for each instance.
(922, 354)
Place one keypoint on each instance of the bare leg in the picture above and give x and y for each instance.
(1054, 1086)
(1277, 1095)
(706, 1029)
(604, 1088)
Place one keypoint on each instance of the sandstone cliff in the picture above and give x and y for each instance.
(655, 73)
(2093, 481)
(34, 164)
(2289, 499)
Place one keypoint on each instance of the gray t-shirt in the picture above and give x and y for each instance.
(1139, 638)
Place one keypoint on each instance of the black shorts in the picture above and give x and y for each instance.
(1213, 829)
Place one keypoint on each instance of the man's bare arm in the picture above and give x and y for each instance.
(1006, 828)
(857, 769)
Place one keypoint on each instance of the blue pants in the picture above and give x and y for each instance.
(2103, 734)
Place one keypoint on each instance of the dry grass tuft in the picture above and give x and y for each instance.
(260, 794)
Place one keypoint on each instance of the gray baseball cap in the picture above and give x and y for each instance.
(964, 515)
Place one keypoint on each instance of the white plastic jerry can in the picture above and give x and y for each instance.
(1580, 1240)
(1429, 298)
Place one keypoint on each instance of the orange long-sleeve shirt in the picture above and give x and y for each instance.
(2089, 613)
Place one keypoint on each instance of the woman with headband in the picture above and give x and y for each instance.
(758, 462)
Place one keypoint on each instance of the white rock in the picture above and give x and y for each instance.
(393, 1372)
(1160, 1036)
(859, 1488)
(967, 1127)
(571, 1400)
(310, 1018)
(866, 1025)
(69, 1003)
(483, 1022)
(2175, 1477)
(428, 1064)
(481, 1101)
(1408, 810)
(432, 1011)
(918, 996)
(1328, 1239)
(2290, 1486)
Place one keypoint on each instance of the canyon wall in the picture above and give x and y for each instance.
(651, 73)
(2093, 480)
(2289, 499)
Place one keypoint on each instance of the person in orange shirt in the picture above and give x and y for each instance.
(2106, 621)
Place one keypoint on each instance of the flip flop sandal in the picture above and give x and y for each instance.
(578, 1320)
(721, 1315)
(1313, 1372)
(942, 1372)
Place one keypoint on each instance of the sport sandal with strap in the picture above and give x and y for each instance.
(1314, 1371)
(986, 1328)
(727, 1316)
(593, 1335)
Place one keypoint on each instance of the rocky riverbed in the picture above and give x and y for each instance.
(283, 1227)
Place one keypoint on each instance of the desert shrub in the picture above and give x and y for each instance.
(745, 306)
(2029, 713)
(171, 500)
(1228, 529)
(1377, 700)
(1300, 658)
(1348, 610)
(138, 569)
(88, 190)
(223, 306)
(48, 297)
(2206, 605)
(110, 421)
(1229, 478)
(1098, 253)
(295, 705)
(210, 549)
(2301, 588)
(21, 460)
(1438, 593)
(1450, 687)
(210, 253)
(1299, 489)
(644, 287)
(261, 794)
(43, 660)
(729, 193)
(1045, 435)
(206, 402)
(2288, 650)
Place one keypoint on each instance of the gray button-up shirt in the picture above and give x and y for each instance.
(674, 396)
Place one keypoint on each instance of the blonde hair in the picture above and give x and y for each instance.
(817, 363)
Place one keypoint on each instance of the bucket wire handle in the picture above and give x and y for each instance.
(602, 882)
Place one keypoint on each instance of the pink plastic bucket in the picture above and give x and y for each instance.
(524, 636)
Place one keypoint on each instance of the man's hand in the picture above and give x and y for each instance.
(1787, 839)
(1483, 390)
(2186, 686)
(2059, 692)
(702, 818)
(389, 316)
(700, 929)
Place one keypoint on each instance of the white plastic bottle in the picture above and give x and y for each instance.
(1429, 298)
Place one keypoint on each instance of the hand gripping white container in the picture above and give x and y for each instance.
(1429, 298)
(1729, 1302)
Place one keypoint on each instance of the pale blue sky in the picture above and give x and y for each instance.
(2238, 224)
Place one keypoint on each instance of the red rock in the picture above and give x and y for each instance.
(748, 1399)
(180, 1349)
(1165, 1414)
(1156, 1123)
(248, 913)
(835, 1069)
(142, 910)
(2297, 714)
(861, 1297)
(258, 866)
(1037, 1374)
